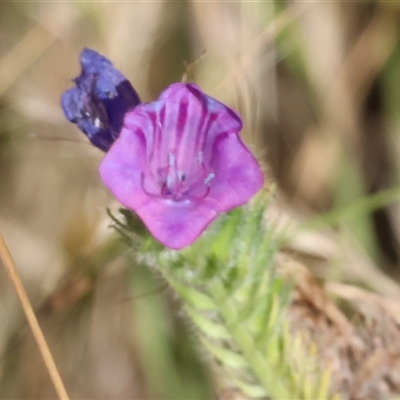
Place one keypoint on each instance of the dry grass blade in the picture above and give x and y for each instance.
(32, 320)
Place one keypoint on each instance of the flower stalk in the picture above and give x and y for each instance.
(237, 302)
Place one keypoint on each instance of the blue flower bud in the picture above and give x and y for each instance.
(100, 100)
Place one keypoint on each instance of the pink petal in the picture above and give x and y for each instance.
(176, 224)
(237, 173)
(122, 168)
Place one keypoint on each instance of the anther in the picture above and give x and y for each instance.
(209, 178)
(171, 159)
(97, 122)
(181, 175)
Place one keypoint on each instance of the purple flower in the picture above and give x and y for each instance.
(99, 102)
(179, 162)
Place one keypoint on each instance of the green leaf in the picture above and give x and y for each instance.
(208, 327)
(225, 356)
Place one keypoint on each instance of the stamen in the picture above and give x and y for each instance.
(171, 159)
(209, 178)
(181, 175)
(97, 122)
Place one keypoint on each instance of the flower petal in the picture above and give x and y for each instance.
(192, 121)
(237, 173)
(90, 115)
(122, 169)
(176, 224)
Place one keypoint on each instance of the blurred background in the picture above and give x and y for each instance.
(318, 87)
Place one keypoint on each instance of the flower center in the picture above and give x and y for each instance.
(177, 184)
